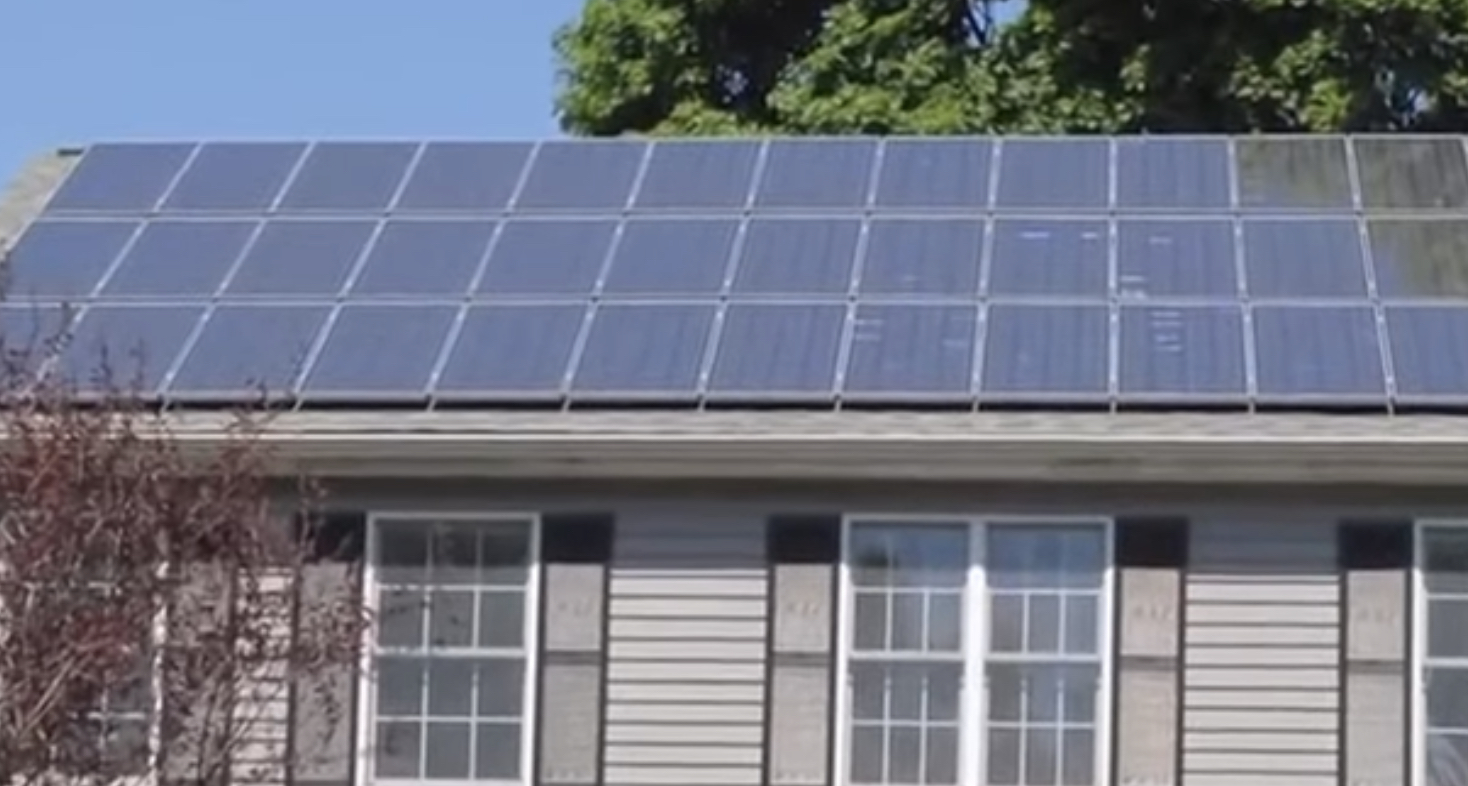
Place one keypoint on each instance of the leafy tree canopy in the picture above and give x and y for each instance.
(941, 66)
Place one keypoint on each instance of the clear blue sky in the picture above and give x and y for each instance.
(79, 70)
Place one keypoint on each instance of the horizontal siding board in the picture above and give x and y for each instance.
(1262, 698)
(1267, 656)
(1264, 635)
(676, 608)
(1273, 762)
(1263, 719)
(1267, 593)
(689, 650)
(630, 775)
(1260, 678)
(711, 733)
(1260, 741)
(698, 586)
(1259, 779)
(640, 629)
(683, 671)
(678, 755)
(711, 692)
(1263, 614)
(733, 714)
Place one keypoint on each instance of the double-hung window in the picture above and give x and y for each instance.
(975, 652)
(1442, 622)
(451, 649)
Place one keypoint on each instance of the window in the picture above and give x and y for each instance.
(1443, 646)
(451, 653)
(975, 652)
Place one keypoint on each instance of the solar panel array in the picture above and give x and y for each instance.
(1207, 271)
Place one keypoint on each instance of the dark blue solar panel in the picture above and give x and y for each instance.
(1419, 257)
(349, 176)
(1299, 259)
(235, 176)
(906, 351)
(1182, 352)
(1045, 352)
(644, 351)
(773, 351)
(1413, 173)
(249, 352)
(797, 256)
(29, 334)
(1318, 353)
(582, 175)
(693, 174)
(816, 173)
(938, 173)
(923, 257)
(382, 351)
(477, 176)
(1157, 172)
(676, 256)
(188, 258)
(512, 351)
(1429, 346)
(1054, 173)
(424, 258)
(295, 257)
(1292, 173)
(121, 177)
(563, 257)
(127, 348)
(1046, 257)
(1184, 257)
(65, 259)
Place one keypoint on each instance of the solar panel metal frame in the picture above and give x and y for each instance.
(996, 398)
(967, 398)
(1407, 400)
(1377, 399)
(1241, 398)
(557, 395)
(690, 396)
(308, 395)
(714, 396)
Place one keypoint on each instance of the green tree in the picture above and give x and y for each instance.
(941, 66)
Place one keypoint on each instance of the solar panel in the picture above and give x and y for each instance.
(777, 351)
(671, 257)
(1318, 354)
(33, 328)
(1303, 259)
(547, 257)
(911, 352)
(922, 257)
(582, 175)
(698, 174)
(235, 176)
(1181, 353)
(464, 176)
(127, 348)
(1429, 348)
(1049, 257)
(1054, 173)
(1419, 258)
(245, 352)
(1412, 173)
(422, 257)
(511, 351)
(381, 351)
(125, 177)
(188, 258)
(301, 257)
(782, 256)
(1163, 173)
(816, 173)
(65, 259)
(349, 176)
(643, 351)
(1185, 257)
(1045, 353)
(1292, 173)
(934, 173)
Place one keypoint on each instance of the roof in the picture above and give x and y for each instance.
(1052, 293)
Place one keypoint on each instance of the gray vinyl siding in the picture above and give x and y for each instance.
(1261, 684)
(686, 652)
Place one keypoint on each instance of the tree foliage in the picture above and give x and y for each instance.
(941, 66)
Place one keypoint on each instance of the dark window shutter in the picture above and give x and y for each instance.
(1151, 542)
(1376, 545)
(576, 538)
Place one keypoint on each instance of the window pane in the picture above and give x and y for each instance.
(1446, 560)
(497, 751)
(400, 686)
(1082, 624)
(499, 685)
(454, 555)
(870, 621)
(1042, 617)
(907, 621)
(1041, 749)
(1045, 556)
(400, 618)
(451, 619)
(945, 622)
(450, 688)
(1447, 628)
(1447, 759)
(942, 756)
(1006, 622)
(910, 556)
(1003, 757)
(1042, 692)
(867, 744)
(868, 691)
(399, 749)
(1078, 762)
(906, 690)
(504, 551)
(501, 619)
(402, 553)
(905, 764)
(1447, 698)
(448, 750)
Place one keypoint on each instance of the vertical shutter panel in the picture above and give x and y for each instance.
(323, 708)
(1376, 562)
(575, 551)
(1151, 555)
(803, 552)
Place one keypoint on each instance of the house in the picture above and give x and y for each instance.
(808, 462)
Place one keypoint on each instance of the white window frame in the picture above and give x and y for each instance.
(974, 706)
(366, 682)
(1417, 660)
